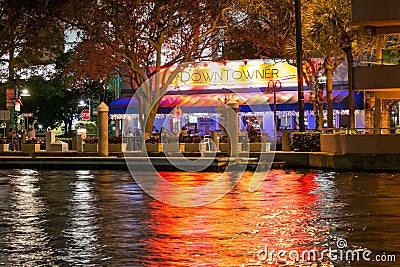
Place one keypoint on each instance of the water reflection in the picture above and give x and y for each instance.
(23, 219)
(231, 231)
(102, 218)
(81, 231)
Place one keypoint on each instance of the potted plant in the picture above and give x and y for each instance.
(153, 144)
(4, 146)
(31, 145)
(171, 144)
(115, 144)
(90, 144)
(255, 141)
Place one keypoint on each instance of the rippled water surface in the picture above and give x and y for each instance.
(103, 218)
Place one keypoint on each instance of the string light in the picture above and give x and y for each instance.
(286, 113)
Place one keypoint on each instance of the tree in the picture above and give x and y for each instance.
(139, 39)
(28, 35)
(266, 26)
(53, 103)
(50, 102)
(330, 31)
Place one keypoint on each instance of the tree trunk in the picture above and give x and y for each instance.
(150, 121)
(321, 115)
(11, 84)
(377, 111)
(329, 103)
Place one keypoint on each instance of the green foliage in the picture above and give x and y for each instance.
(30, 28)
(306, 141)
(115, 139)
(90, 126)
(254, 136)
(91, 140)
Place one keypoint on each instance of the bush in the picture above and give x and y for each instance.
(254, 136)
(306, 141)
(115, 139)
(90, 126)
(91, 140)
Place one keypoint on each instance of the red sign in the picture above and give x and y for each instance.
(85, 115)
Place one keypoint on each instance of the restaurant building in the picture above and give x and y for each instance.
(199, 90)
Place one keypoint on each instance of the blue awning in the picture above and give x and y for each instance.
(206, 103)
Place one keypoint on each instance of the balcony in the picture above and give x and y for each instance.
(384, 14)
(379, 77)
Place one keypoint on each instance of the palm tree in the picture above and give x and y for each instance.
(331, 28)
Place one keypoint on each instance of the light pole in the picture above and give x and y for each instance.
(319, 99)
(93, 101)
(299, 58)
(82, 103)
(272, 85)
(17, 105)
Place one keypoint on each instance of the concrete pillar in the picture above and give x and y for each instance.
(79, 143)
(233, 128)
(286, 140)
(50, 138)
(102, 122)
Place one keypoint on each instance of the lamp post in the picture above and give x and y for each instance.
(272, 85)
(319, 99)
(93, 101)
(82, 103)
(299, 57)
(18, 104)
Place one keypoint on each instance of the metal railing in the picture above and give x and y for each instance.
(391, 130)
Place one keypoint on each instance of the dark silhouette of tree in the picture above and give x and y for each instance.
(139, 39)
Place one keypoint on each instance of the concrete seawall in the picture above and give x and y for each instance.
(319, 160)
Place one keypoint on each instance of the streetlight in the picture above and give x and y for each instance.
(93, 101)
(299, 58)
(319, 101)
(82, 103)
(25, 92)
(272, 85)
(18, 104)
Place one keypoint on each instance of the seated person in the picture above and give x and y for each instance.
(31, 133)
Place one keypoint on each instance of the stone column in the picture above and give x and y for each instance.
(50, 138)
(102, 121)
(233, 128)
(79, 143)
(286, 140)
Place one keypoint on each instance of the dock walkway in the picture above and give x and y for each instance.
(277, 159)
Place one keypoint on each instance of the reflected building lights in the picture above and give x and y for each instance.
(27, 216)
(82, 230)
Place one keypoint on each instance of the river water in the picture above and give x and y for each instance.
(103, 218)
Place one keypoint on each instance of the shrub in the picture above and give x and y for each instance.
(254, 136)
(115, 139)
(154, 139)
(306, 141)
(91, 140)
(90, 126)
